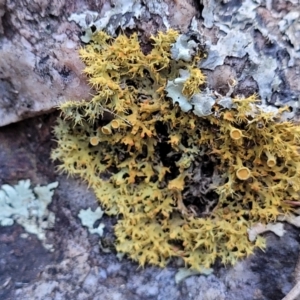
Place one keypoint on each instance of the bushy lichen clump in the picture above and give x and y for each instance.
(140, 153)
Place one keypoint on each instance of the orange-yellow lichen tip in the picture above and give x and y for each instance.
(94, 140)
(271, 162)
(243, 173)
(236, 134)
(106, 130)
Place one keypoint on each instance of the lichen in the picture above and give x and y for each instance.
(88, 219)
(182, 185)
(27, 207)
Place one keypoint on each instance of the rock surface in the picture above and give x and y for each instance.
(257, 43)
(39, 68)
(39, 63)
(79, 269)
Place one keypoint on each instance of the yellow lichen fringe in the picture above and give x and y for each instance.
(117, 143)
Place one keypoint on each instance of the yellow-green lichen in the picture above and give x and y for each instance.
(141, 153)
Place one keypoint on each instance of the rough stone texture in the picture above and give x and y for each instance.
(257, 39)
(39, 64)
(261, 40)
(78, 269)
(39, 68)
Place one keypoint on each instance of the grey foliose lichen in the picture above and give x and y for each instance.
(28, 207)
(88, 219)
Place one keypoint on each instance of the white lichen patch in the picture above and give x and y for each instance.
(28, 207)
(200, 103)
(121, 13)
(237, 40)
(290, 26)
(203, 103)
(183, 48)
(88, 219)
(234, 43)
(184, 273)
(174, 90)
(259, 228)
(291, 219)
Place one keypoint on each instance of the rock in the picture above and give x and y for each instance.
(39, 42)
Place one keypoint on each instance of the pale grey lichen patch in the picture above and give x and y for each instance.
(208, 12)
(88, 219)
(121, 8)
(295, 105)
(228, 18)
(235, 43)
(260, 228)
(122, 14)
(226, 102)
(203, 103)
(264, 74)
(247, 12)
(84, 19)
(183, 48)
(293, 219)
(238, 22)
(200, 103)
(174, 90)
(27, 207)
(290, 26)
(269, 109)
(184, 273)
(159, 8)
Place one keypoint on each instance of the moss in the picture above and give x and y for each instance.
(141, 153)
